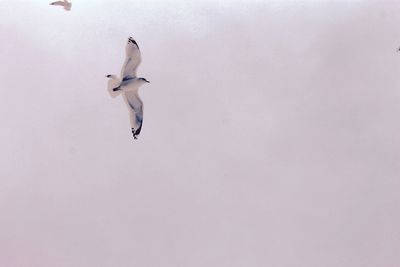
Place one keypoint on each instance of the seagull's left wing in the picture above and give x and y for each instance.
(132, 60)
(135, 106)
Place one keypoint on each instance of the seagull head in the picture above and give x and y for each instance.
(144, 80)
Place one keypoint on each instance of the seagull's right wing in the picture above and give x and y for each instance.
(135, 106)
(132, 60)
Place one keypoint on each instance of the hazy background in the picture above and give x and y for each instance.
(270, 137)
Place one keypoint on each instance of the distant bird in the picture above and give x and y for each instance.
(128, 84)
(67, 5)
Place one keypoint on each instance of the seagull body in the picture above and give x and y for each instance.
(128, 85)
(67, 5)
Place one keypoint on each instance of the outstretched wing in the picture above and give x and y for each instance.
(135, 107)
(132, 60)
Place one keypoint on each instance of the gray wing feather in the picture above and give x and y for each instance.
(135, 107)
(132, 60)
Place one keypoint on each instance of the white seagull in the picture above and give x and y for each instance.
(128, 84)
(67, 5)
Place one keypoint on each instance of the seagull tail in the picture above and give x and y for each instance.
(113, 87)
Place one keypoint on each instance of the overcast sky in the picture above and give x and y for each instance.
(270, 135)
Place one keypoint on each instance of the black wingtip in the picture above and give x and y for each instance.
(130, 39)
(134, 133)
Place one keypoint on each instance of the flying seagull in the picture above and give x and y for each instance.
(67, 5)
(128, 85)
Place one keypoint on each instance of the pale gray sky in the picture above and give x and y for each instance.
(270, 137)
